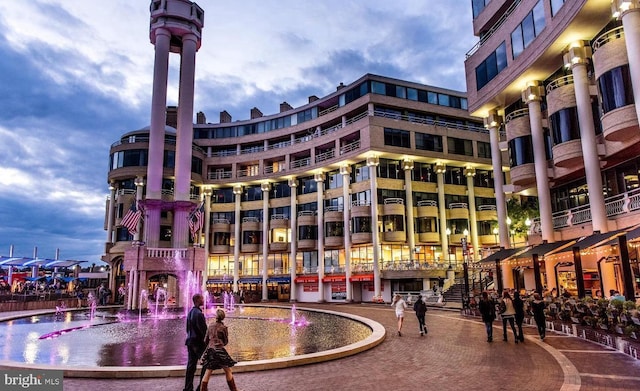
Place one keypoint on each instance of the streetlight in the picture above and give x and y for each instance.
(495, 234)
(527, 222)
(448, 231)
(512, 232)
(465, 258)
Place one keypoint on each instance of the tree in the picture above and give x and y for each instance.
(519, 210)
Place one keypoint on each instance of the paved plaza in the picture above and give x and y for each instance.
(453, 356)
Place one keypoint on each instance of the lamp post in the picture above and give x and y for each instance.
(495, 235)
(511, 233)
(465, 265)
(448, 231)
(527, 223)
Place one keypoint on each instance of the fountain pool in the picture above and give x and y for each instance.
(77, 340)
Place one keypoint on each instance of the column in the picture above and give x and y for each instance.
(319, 178)
(293, 264)
(372, 163)
(407, 166)
(110, 213)
(156, 135)
(265, 187)
(576, 58)
(442, 210)
(493, 122)
(629, 12)
(184, 139)
(207, 234)
(532, 96)
(346, 214)
(237, 192)
(139, 182)
(470, 173)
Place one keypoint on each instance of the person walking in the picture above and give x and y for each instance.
(487, 309)
(420, 307)
(507, 313)
(518, 305)
(537, 307)
(400, 306)
(216, 356)
(196, 331)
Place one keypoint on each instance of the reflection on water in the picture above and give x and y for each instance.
(255, 333)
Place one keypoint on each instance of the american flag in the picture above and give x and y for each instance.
(131, 219)
(196, 220)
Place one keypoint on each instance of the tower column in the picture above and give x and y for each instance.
(110, 213)
(293, 264)
(372, 163)
(576, 58)
(319, 178)
(207, 234)
(155, 165)
(265, 187)
(237, 192)
(346, 215)
(139, 182)
(532, 96)
(407, 166)
(493, 122)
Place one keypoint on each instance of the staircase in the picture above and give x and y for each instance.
(454, 293)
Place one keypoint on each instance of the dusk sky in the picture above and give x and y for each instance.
(76, 74)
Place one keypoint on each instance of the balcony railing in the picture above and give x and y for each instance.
(616, 33)
(361, 203)
(220, 221)
(350, 147)
(458, 205)
(516, 114)
(427, 121)
(220, 175)
(563, 81)
(301, 163)
(330, 154)
(279, 217)
(427, 203)
(493, 29)
(393, 201)
(334, 208)
(250, 220)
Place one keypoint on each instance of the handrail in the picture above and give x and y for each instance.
(427, 203)
(516, 114)
(350, 147)
(279, 217)
(616, 33)
(220, 221)
(361, 203)
(426, 121)
(250, 220)
(562, 81)
(334, 208)
(330, 154)
(393, 201)
(306, 213)
(301, 163)
(458, 205)
(220, 175)
(487, 207)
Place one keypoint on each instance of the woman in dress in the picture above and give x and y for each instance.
(400, 306)
(216, 356)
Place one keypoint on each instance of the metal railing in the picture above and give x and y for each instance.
(330, 154)
(220, 175)
(427, 203)
(562, 81)
(393, 201)
(301, 163)
(493, 29)
(516, 114)
(428, 121)
(611, 35)
(350, 147)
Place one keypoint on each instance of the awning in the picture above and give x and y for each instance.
(361, 277)
(598, 239)
(41, 262)
(250, 280)
(499, 255)
(304, 279)
(279, 280)
(545, 249)
(340, 278)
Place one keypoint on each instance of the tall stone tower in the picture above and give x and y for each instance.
(176, 27)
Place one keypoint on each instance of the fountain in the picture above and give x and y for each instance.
(143, 295)
(279, 335)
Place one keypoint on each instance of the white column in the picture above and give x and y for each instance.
(630, 15)
(493, 122)
(407, 166)
(373, 162)
(473, 214)
(237, 191)
(265, 239)
(293, 184)
(532, 96)
(319, 178)
(139, 182)
(577, 58)
(346, 214)
(184, 139)
(442, 211)
(207, 234)
(110, 213)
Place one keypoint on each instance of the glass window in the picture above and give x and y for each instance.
(396, 138)
(412, 94)
(460, 146)
(555, 6)
(484, 150)
(538, 17)
(429, 142)
(528, 31)
(432, 98)
(517, 46)
(520, 151)
(490, 67)
(378, 88)
(443, 99)
(564, 125)
(615, 88)
(401, 92)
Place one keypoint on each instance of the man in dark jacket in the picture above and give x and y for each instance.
(196, 331)
(487, 308)
(420, 307)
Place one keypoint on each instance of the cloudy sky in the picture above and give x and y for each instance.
(76, 74)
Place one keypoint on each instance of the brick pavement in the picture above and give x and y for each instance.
(453, 356)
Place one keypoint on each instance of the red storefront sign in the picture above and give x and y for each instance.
(361, 277)
(304, 279)
(334, 279)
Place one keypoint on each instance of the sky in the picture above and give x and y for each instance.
(76, 74)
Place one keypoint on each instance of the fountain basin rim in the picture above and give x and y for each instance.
(119, 372)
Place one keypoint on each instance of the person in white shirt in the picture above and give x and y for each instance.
(400, 306)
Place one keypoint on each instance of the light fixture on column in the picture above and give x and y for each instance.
(407, 164)
(578, 52)
(495, 234)
(440, 168)
(619, 7)
(448, 232)
(492, 120)
(533, 92)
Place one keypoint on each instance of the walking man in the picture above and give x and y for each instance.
(196, 331)
(420, 307)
